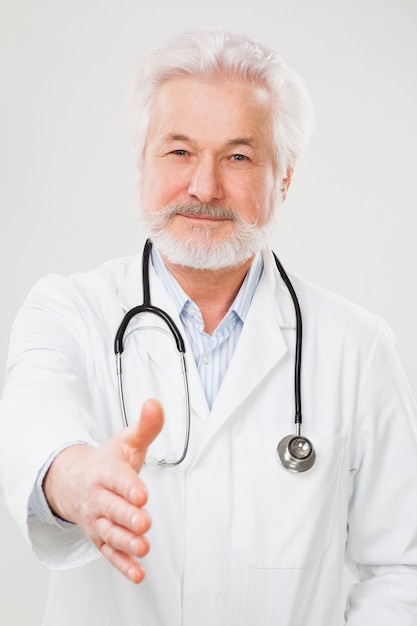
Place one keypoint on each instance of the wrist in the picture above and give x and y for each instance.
(58, 477)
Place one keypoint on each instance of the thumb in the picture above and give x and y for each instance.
(139, 436)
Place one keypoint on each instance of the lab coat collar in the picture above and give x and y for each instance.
(130, 291)
(261, 345)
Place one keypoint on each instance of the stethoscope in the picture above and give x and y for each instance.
(296, 452)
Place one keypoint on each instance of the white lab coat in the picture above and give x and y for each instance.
(236, 539)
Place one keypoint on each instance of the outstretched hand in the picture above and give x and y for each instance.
(100, 490)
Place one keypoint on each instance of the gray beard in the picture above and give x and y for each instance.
(199, 250)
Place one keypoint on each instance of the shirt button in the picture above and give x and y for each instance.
(207, 358)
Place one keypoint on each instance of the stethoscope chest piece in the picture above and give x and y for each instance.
(296, 453)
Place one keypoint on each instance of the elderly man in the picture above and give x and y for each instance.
(241, 535)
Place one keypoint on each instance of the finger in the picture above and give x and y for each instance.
(137, 438)
(127, 565)
(122, 513)
(120, 539)
(122, 480)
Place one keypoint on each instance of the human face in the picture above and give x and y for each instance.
(209, 146)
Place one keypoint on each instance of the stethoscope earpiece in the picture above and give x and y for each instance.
(296, 453)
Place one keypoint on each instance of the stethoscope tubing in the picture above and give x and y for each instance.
(298, 418)
(288, 447)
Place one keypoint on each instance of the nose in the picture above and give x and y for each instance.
(205, 182)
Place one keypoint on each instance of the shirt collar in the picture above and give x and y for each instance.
(245, 294)
(179, 297)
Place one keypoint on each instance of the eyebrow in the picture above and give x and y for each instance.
(240, 141)
(178, 137)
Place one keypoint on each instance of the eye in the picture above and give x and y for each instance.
(179, 152)
(239, 157)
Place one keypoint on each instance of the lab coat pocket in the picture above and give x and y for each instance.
(283, 519)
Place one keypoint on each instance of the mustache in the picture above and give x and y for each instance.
(199, 209)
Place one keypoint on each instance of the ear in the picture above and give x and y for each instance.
(286, 182)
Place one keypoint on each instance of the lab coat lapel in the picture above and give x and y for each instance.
(162, 351)
(261, 345)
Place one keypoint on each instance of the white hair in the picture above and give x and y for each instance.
(208, 54)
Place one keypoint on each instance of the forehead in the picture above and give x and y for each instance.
(193, 106)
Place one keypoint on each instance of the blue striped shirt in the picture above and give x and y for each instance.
(212, 353)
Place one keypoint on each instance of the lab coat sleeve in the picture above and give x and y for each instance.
(382, 524)
(45, 405)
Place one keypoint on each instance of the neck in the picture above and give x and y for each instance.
(213, 291)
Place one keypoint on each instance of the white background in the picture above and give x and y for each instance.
(67, 169)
